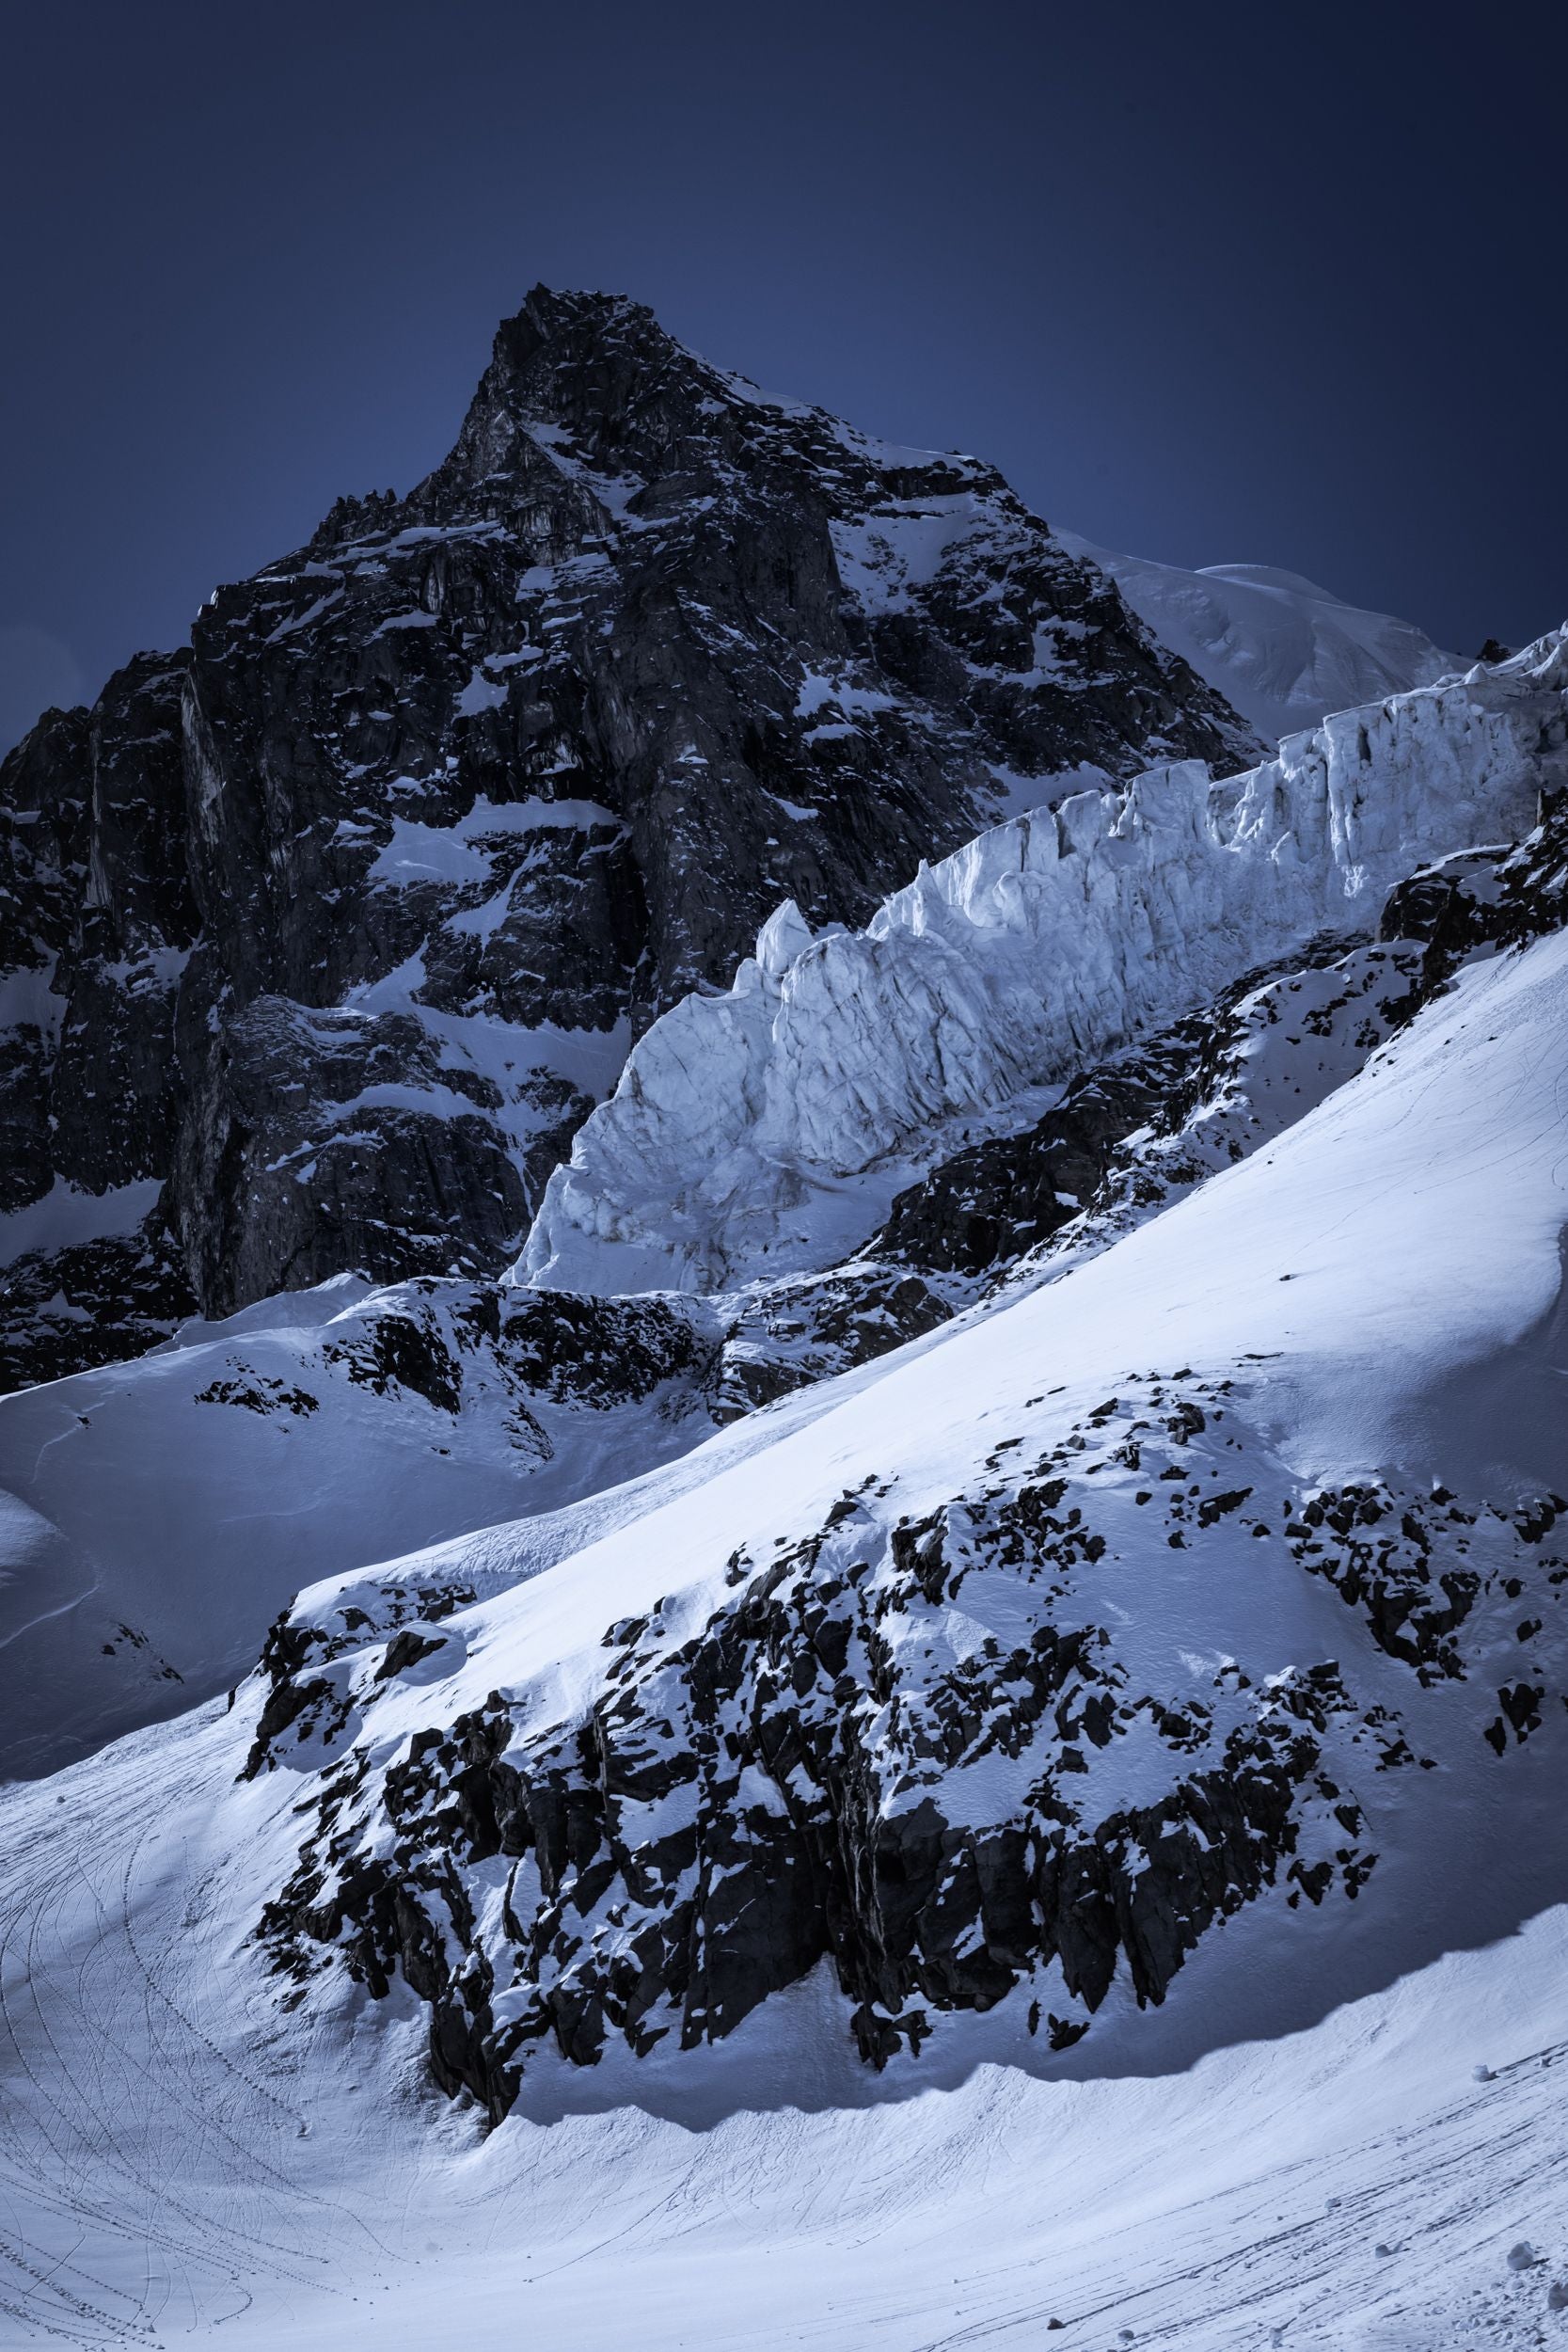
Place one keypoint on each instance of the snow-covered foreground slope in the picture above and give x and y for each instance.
(1224, 1564)
(178, 2166)
(1284, 652)
(752, 1133)
(1366, 1312)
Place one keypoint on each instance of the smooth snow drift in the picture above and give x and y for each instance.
(1282, 651)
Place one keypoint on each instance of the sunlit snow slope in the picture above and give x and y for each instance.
(551, 1824)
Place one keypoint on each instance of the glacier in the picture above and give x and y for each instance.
(732, 1145)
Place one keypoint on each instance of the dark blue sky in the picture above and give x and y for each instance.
(1210, 283)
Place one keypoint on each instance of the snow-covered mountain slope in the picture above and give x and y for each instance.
(416, 1414)
(1133, 1717)
(943, 1721)
(1282, 651)
(1215, 1580)
(761, 1131)
(157, 1515)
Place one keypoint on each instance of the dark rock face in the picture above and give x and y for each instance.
(490, 1350)
(339, 921)
(987, 1206)
(1482, 900)
(344, 1170)
(97, 922)
(98, 1301)
(540, 1347)
(796, 1333)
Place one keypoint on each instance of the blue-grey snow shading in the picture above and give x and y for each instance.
(1283, 651)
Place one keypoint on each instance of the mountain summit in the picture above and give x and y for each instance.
(1005, 1535)
(325, 932)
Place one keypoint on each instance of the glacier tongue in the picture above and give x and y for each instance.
(734, 1139)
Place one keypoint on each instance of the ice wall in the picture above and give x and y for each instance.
(1050, 939)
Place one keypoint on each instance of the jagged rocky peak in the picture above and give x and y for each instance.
(334, 927)
(594, 379)
(595, 439)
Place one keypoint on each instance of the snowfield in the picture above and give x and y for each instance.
(134, 1588)
(176, 2168)
(1284, 652)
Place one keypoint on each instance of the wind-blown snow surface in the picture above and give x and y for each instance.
(1282, 651)
(156, 1514)
(733, 1141)
(1382, 1287)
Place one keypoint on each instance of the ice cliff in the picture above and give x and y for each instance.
(741, 1118)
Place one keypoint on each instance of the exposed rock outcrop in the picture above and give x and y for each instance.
(914, 1749)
